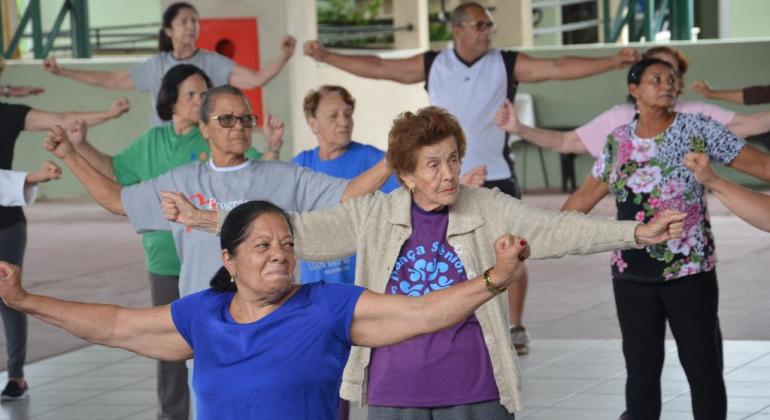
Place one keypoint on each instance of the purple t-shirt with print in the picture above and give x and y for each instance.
(449, 367)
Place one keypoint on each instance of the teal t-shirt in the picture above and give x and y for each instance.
(156, 152)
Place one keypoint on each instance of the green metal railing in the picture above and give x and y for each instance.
(79, 29)
(655, 13)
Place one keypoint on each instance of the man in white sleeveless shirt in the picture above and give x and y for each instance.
(472, 80)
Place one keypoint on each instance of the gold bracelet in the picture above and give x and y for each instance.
(488, 283)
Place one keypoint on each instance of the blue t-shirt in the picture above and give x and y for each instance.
(357, 159)
(287, 365)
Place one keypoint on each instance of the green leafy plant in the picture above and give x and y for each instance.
(347, 11)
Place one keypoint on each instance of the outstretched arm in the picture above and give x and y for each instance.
(751, 206)
(702, 87)
(77, 133)
(750, 125)
(368, 182)
(403, 70)
(104, 190)
(38, 120)
(587, 196)
(21, 91)
(107, 79)
(558, 141)
(529, 69)
(380, 320)
(149, 332)
(752, 162)
(246, 78)
(20, 188)
(273, 130)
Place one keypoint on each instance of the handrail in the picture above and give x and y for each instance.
(678, 13)
(78, 11)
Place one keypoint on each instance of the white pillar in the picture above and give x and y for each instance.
(514, 23)
(414, 13)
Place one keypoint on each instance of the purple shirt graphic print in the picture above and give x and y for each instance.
(447, 368)
(425, 268)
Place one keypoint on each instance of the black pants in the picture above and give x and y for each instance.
(690, 305)
(173, 394)
(13, 242)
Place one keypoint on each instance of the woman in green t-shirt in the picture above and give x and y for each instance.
(154, 153)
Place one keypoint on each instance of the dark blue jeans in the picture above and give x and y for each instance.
(690, 306)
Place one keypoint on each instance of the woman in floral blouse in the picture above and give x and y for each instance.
(641, 165)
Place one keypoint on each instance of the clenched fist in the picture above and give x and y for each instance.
(57, 142)
(315, 50)
(47, 172)
(119, 107)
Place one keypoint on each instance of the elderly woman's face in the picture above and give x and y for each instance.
(235, 140)
(657, 87)
(435, 180)
(190, 97)
(671, 59)
(184, 27)
(264, 262)
(333, 121)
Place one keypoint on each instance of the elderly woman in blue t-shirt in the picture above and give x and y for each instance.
(641, 166)
(265, 347)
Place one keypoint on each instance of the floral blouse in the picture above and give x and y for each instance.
(646, 177)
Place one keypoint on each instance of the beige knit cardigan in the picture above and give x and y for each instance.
(376, 226)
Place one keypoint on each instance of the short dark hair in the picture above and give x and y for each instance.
(235, 229)
(636, 72)
(164, 42)
(410, 132)
(460, 13)
(313, 98)
(208, 100)
(169, 88)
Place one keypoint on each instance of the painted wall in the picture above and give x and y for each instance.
(557, 104)
(748, 18)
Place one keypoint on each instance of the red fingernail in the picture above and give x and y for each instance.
(522, 242)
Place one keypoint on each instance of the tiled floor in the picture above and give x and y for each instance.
(563, 379)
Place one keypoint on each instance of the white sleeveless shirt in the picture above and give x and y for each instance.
(473, 94)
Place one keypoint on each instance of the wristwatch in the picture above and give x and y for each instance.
(495, 290)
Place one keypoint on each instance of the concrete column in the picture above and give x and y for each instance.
(514, 23)
(412, 13)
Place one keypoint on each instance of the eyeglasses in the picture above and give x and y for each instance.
(480, 25)
(228, 120)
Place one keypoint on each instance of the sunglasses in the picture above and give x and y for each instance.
(480, 25)
(228, 120)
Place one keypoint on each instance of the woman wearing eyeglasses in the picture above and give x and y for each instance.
(157, 151)
(224, 181)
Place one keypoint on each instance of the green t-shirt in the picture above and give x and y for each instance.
(156, 152)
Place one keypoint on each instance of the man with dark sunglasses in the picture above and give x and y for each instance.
(472, 80)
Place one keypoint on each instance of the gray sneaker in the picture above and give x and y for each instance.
(520, 339)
